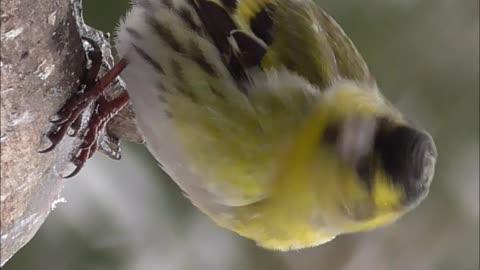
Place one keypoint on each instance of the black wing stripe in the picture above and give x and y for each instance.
(230, 5)
(262, 24)
(217, 22)
(219, 26)
(251, 51)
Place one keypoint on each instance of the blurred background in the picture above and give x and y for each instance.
(128, 215)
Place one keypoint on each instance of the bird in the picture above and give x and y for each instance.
(265, 115)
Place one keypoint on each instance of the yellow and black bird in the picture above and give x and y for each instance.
(267, 117)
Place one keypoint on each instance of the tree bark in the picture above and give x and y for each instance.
(42, 59)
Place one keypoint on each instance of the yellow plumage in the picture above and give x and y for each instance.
(265, 114)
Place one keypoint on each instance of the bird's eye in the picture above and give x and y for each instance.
(331, 133)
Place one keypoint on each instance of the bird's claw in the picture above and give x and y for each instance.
(69, 120)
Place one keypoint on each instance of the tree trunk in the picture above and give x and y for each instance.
(42, 58)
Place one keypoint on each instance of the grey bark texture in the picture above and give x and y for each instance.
(42, 59)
